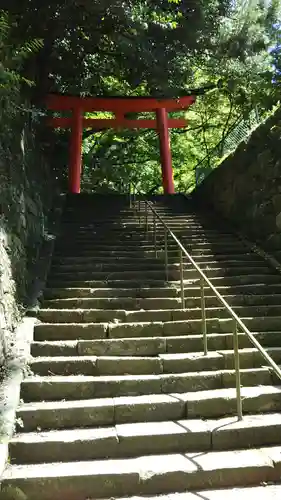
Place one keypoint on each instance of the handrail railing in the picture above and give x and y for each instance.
(237, 322)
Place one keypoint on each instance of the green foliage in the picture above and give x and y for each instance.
(12, 58)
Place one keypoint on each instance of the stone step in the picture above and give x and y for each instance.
(107, 260)
(148, 346)
(140, 239)
(66, 246)
(249, 259)
(137, 365)
(266, 492)
(191, 292)
(58, 387)
(82, 413)
(132, 225)
(186, 220)
(114, 272)
(129, 440)
(146, 475)
(87, 315)
(111, 303)
(210, 269)
(133, 365)
(125, 284)
(90, 331)
(133, 238)
(114, 293)
(141, 251)
(123, 228)
(246, 279)
(130, 219)
(158, 302)
(154, 264)
(112, 266)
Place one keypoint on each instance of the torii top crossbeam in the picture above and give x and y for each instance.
(120, 107)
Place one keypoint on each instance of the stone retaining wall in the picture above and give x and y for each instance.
(246, 187)
(27, 193)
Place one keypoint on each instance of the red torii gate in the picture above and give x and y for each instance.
(119, 106)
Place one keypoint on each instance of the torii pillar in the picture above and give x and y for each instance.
(75, 151)
(165, 151)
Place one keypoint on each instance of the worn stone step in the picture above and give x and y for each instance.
(128, 284)
(112, 315)
(158, 274)
(250, 357)
(266, 492)
(113, 274)
(87, 315)
(70, 331)
(129, 440)
(135, 227)
(212, 269)
(140, 240)
(96, 365)
(112, 292)
(161, 303)
(88, 247)
(242, 259)
(109, 266)
(191, 292)
(109, 262)
(105, 259)
(149, 249)
(111, 303)
(100, 412)
(123, 440)
(134, 230)
(89, 331)
(146, 408)
(214, 325)
(146, 475)
(137, 365)
(230, 281)
(243, 311)
(57, 387)
(148, 346)
(239, 300)
(145, 238)
(129, 219)
(150, 252)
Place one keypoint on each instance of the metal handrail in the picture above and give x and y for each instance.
(203, 280)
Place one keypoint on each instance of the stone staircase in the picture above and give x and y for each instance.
(120, 400)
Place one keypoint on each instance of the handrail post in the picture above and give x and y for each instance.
(155, 235)
(237, 371)
(146, 220)
(182, 280)
(204, 322)
(130, 195)
(166, 254)
(134, 201)
(139, 205)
